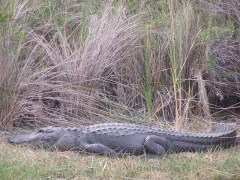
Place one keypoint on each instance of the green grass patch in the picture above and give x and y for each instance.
(25, 163)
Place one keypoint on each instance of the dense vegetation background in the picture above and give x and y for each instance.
(88, 61)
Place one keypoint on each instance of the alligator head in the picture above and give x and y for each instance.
(43, 138)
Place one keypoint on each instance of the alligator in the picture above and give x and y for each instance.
(118, 139)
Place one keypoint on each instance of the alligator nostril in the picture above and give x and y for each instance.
(12, 139)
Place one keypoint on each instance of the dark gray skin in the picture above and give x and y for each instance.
(117, 139)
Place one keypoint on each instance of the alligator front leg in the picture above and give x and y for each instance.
(100, 149)
(155, 146)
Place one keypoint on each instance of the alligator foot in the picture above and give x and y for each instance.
(101, 150)
(155, 145)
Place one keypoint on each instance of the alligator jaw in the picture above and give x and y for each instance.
(19, 139)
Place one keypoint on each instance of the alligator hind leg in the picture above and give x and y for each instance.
(155, 146)
(100, 149)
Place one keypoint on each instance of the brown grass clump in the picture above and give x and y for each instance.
(83, 62)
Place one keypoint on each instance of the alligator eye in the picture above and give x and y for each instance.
(49, 131)
(40, 131)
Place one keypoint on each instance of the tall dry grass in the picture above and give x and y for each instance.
(83, 62)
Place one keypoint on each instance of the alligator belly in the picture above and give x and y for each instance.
(125, 144)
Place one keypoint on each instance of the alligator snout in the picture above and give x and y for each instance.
(13, 140)
(19, 139)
